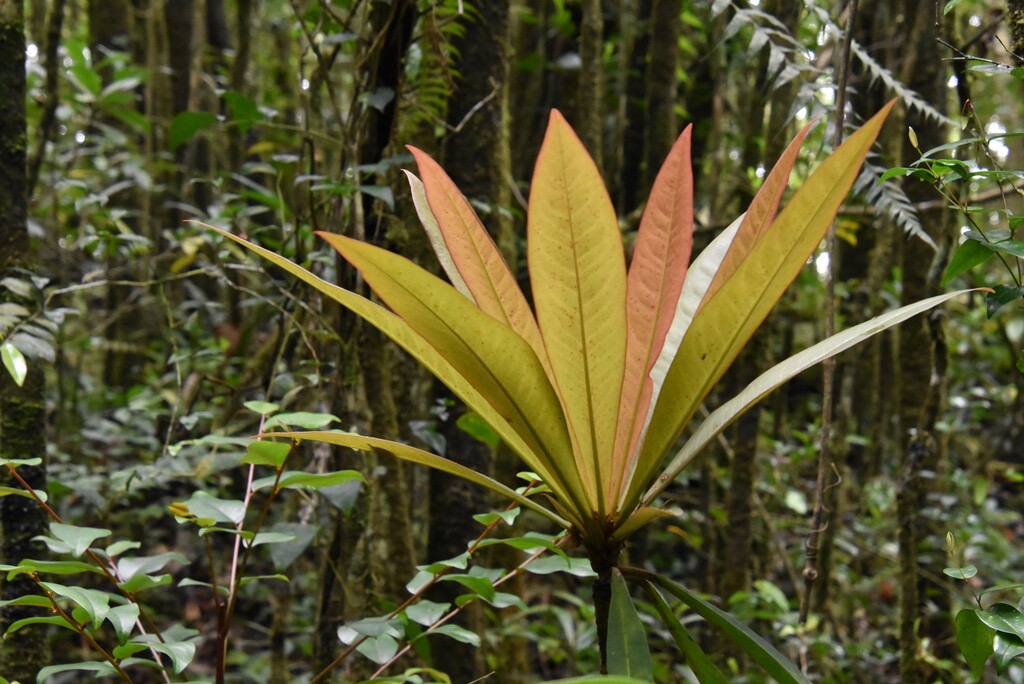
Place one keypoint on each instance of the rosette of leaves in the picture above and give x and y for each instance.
(594, 383)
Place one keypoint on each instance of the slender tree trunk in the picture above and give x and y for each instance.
(591, 85)
(21, 408)
(1015, 21)
(477, 157)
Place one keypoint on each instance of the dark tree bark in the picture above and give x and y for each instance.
(590, 98)
(477, 157)
(1015, 20)
(905, 38)
(21, 408)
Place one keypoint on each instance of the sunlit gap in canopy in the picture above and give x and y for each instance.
(821, 262)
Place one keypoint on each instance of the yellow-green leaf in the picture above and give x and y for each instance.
(485, 351)
(400, 332)
(578, 276)
(653, 286)
(405, 452)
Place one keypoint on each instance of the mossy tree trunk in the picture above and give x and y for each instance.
(21, 408)
(476, 154)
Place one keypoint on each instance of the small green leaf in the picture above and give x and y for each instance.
(376, 626)
(481, 586)
(271, 538)
(1007, 647)
(129, 567)
(968, 255)
(203, 505)
(975, 640)
(264, 408)
(186, 124)
(965, 572)
(1004, 294)
(1008, 247)
(48, 567)
(1003, 617)
(77, 539)
(426, 612)
(262, 452)
(20, 461)
(458, 633)
(16, 491)
(123, 619)
(379, 649)
(42, 620)
(297, 479)
(95, 603)
(243, 110)
(98, 668)
(301, 419)
(30, 600)
(628, 652)
(180, 652)
(142, 582)
(476, 427)
(15, 362)
(117, 548)
(127, 650)
(508, 517)
(579, 567)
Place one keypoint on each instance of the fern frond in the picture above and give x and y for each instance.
(909, 97)
(890, 201)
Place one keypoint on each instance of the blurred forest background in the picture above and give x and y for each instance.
(147, 338)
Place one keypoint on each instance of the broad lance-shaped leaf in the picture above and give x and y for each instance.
(400, 332)
(411, 454)
(720, 418)
(653, 286)
(499, 363)
(468, 254)
(698, 279)
(578, 276)
(726, 320)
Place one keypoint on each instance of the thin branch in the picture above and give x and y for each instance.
(819, 519)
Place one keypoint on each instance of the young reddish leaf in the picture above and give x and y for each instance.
(463, 241)
(728, 318)
(578, 275)
(653, 286)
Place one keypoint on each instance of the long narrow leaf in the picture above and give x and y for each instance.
(627, 649)
(653, 287)
(698, 279)
(578, 276)
(757, 649)
(497, 361)
(780, 373)
(696, 658)
(725, 322)
(411, 454)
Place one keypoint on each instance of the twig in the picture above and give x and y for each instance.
(819, 519)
